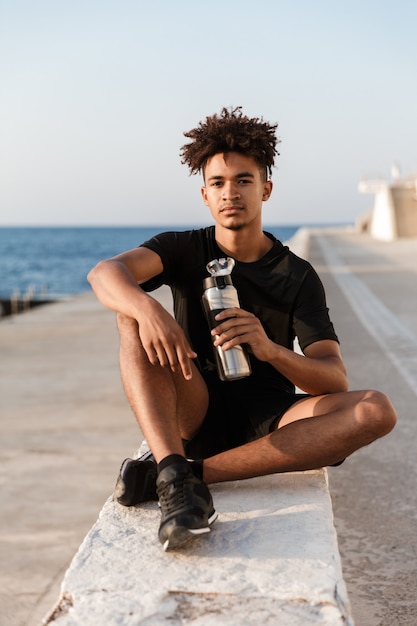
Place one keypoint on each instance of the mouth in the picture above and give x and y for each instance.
(231, 210)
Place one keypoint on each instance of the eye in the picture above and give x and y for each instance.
(244, 181)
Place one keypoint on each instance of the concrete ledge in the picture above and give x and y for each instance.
(271, 558)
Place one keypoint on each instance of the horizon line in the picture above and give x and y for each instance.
(165, 224)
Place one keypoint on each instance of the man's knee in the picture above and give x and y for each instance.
(377, 413)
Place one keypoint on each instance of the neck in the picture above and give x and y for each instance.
(243, 245)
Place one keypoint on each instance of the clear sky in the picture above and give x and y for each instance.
(95, 96)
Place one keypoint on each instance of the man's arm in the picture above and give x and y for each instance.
(115, 283)
(319, 371)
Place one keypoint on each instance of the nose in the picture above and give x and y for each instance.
(230, 190)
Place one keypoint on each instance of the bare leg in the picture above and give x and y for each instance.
(167, 407)
(314, 433)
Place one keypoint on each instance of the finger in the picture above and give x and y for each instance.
(161, 357)
(157, 354)
(226, 313)
(185, 365)
(166, 356)
(228, 342)
(173, 362)
(152, 354)
(232, 316)
(237, 340)
(235, 326)
(179, 360)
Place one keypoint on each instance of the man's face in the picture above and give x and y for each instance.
(234, 190)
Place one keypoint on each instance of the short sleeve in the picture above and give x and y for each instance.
(165, 245)
(311, 315)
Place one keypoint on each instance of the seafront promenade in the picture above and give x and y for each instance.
(66, 427)
(372, 293)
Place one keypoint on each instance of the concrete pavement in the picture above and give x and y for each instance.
(372, 293)
(65, 427)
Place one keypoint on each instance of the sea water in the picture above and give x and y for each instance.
(53, 262)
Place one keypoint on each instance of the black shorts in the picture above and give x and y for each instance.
(239, 412)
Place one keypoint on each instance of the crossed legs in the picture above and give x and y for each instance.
(313, 433)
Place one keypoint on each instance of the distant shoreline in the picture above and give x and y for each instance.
(164, 227)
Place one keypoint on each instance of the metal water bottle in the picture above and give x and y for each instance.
(219, 294)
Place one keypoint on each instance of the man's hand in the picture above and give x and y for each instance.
(164, 340)
(116, 282)
(237, 327)
(319, 371)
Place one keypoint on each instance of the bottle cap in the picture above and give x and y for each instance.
(220, 267)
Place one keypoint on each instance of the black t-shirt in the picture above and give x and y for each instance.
(281, 289)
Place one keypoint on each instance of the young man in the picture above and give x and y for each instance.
(243, 428)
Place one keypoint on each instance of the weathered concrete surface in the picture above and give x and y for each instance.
(271, 558)
(65, 427)
(374, 493)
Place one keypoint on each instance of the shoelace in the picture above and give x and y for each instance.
(176, 495)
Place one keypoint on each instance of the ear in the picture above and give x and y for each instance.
(204, 195)
(267, 190)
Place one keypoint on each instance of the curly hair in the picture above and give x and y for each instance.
(231, 131)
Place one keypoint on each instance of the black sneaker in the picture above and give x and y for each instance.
(186, 505)
(137, 481)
